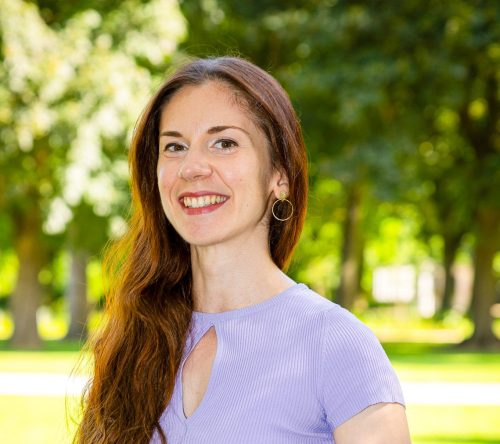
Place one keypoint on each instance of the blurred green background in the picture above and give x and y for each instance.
(399, 102)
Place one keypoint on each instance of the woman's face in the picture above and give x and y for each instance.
(214, 170)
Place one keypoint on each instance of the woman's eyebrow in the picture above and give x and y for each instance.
(171, 133)
(212, 130)
(218, 129)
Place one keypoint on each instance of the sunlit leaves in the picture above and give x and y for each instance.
(71, 96)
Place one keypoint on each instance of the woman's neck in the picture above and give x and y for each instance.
(230, 276)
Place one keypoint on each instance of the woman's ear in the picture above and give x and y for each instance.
(280, 183)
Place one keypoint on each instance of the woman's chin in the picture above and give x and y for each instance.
(204, 240)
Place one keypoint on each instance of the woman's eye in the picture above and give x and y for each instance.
(173, 147)
(225, 144)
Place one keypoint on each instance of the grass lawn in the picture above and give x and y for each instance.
(453, 424)
(54, 357)
(442, 362)
(38, 362)
(40, 420)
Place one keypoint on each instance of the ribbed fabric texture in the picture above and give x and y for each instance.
(287, 370)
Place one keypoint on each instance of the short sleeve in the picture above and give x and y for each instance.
(355, 371)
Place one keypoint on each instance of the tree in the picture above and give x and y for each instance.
(390, 99)
(68, 99)
(314, 49)
(460, 66)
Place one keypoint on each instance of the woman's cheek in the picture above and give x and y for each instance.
(163, 179)
(164, 187)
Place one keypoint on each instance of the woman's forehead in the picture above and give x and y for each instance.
(207, 105)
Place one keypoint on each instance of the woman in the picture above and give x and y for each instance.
(206, 339)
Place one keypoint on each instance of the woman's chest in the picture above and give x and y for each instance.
(263, 387)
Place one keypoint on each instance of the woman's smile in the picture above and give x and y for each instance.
(201, 202)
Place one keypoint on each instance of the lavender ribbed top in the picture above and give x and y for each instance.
(287, 370)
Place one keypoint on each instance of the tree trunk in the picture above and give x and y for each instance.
(451, 244)
(77, 295)
(351, 251)
(27, 295)
(483, 293)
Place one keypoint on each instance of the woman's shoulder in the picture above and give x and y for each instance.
(308, 302)
(354, 371)
(341, 331)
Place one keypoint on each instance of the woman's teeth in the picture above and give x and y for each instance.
(203, 201)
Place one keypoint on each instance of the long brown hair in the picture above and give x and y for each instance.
(137, 351)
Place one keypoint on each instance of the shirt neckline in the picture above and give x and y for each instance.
(237, 312)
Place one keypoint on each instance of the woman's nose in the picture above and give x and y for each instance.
(194, 166)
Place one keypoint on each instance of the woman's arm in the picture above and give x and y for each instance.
(378, 424)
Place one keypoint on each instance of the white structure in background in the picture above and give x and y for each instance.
(394, 283)
(464, 279)
(405, 283)
(427, 289)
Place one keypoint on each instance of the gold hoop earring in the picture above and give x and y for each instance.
(282, 198)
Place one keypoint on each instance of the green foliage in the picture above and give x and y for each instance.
(401, 101)
(8, 272)
(316, 260)
(71, 95)
(74, 78)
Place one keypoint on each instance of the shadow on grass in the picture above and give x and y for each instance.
(47, 346)
(417, 348)
(437, 353)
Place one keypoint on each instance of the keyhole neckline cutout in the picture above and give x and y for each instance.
(211, 376)
(237, 312)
